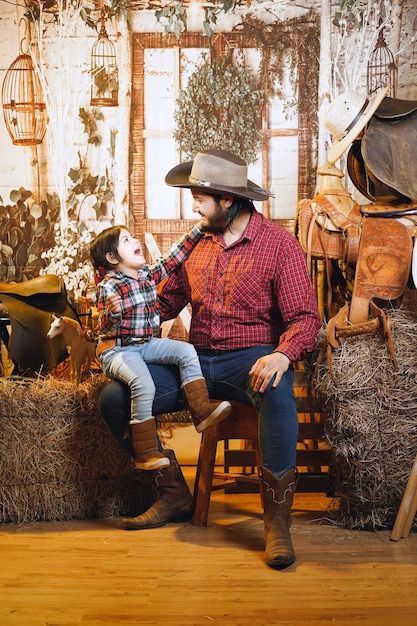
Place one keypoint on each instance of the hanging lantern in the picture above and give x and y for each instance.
(382, 69)
(24, 111)
(104, 72)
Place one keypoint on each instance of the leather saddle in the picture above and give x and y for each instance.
(382, 164)
(30, 305)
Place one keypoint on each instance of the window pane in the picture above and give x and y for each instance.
(159, 94)
(160, 200)
(284, 177)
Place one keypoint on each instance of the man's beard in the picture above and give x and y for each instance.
(217, 223)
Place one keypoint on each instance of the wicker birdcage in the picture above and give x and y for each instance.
(24, 111)
(104, 71)
(382, 69)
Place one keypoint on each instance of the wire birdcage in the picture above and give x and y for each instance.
(24, 111)
(104, 70)
(382, 69)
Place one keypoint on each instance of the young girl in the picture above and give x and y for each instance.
(130, 325)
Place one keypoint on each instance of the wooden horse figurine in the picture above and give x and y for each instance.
(81, 348)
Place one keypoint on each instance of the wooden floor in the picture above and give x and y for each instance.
(93, 572)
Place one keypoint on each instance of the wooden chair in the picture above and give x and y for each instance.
(408, 507)
(312, 460)
(242, 423)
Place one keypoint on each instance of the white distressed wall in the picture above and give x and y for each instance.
(15, 162)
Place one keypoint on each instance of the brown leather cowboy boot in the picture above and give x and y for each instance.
(205, 412)
(174, 503)
(145, 443)
(278, 497)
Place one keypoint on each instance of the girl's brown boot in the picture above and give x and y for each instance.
(205, 412)
(145, 443)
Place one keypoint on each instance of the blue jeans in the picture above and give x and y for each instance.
(129, 364)
(226, 374)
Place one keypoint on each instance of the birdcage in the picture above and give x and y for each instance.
(24, 111)
(382, 69)
(104, 71)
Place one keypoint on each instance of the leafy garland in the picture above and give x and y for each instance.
(172, 14)
(281, 46)
(220, 108)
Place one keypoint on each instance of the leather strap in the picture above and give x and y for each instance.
(339, 327)
(351, 225)
(340, 220)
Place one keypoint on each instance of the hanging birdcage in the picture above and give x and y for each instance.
(382, 69)
(104, 71)
(24, 111)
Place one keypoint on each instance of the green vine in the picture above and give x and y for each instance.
(348, 16)
(220, 108)
(84, 184)
(282, 45)
(88, 13)
(173, 15)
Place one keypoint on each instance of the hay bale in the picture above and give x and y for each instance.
(372, 426)
(58, 460)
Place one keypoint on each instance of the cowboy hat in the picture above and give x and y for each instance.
(347, 116)
(216, 171)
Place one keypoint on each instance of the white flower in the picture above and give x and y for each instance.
(69, 258)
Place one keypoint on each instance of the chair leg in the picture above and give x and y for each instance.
(411, 514)
(204, 476)
(408, 507)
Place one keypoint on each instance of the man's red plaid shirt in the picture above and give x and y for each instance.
(256, 291)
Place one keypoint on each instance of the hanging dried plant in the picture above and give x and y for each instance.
(220, 108)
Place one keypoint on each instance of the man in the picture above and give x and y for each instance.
(254, 313)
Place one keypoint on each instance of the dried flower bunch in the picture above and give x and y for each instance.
(220, 108)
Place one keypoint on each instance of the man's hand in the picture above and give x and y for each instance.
(268, 367)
